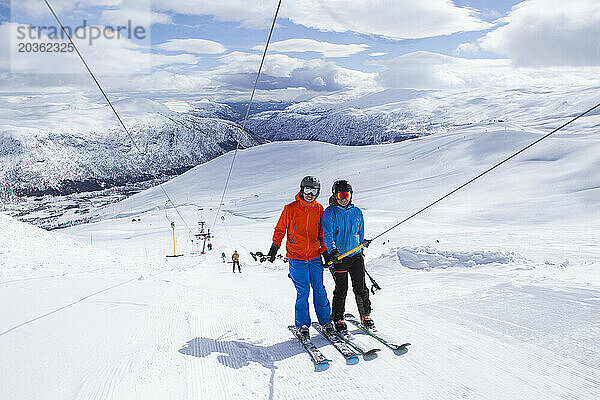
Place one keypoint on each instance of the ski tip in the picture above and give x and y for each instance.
(402, 346)
(352, 360)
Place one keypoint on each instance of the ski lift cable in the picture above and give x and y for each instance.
(113, 109)
(247, 112)
(94, 78)
(472, 180)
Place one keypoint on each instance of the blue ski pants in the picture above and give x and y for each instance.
(305, 274)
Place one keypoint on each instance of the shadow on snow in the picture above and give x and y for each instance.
(238, 354)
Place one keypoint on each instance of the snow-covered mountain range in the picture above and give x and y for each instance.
(82, 151)
(392, 115)
(81, 148)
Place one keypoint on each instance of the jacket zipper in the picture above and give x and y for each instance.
(307, 238)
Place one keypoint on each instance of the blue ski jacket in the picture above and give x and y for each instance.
(343, 228)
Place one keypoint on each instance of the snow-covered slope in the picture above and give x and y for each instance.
(28, 252)
(496, 287)
(548, 184)
(392, 115)
(82, 148)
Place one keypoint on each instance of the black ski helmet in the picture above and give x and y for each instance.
(341, 186)
(310, 182)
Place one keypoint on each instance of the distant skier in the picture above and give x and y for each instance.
(236, 261)
(343, 230)
(223, 257)
(301, 222)
(209, 246)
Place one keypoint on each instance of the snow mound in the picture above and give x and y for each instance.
(427, 258)
(27, 251)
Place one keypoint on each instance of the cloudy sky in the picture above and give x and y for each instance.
(318, 46)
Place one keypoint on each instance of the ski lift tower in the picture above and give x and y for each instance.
(203, 236)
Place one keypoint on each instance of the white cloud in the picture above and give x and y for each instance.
(141, 17)
(123, 65)
(116, 56)
(197, 46)
(161, 18)
(159, 60)
(238, 70)
(278, 65)
(37, 9)
(325, 48)
(467, 49)
(259, 14)
(424, 70)
(397, 19)
(420, 70)
(139, 12)
(166, 81)
(377, 54)
(549, 33)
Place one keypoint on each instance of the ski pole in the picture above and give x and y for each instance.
(375, 287)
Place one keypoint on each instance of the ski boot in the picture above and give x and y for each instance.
(341, 326)
(367, 322)
(328, 328)
(304, 332)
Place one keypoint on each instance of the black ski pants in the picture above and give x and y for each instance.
(355, 266)
(238, 265)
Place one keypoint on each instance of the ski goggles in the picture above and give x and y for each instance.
(343, 195)
(310, 191)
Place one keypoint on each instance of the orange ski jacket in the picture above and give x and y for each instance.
(301, 222)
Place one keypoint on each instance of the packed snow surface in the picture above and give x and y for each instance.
(496, 288)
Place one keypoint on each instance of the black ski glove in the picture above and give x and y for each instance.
(334, 256)
(366, 243)
(272, 252)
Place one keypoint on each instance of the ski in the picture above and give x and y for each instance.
(355, 342)
(341, 346)
(316, 355)
(373, 332)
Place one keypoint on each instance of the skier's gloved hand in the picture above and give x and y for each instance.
(272, 252)
(326, 259)
(334, 254)
(366, 243)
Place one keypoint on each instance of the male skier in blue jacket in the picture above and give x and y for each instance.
(343, 230)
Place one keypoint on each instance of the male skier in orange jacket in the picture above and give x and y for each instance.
(301, 222)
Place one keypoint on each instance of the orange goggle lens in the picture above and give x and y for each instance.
(343, 195)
